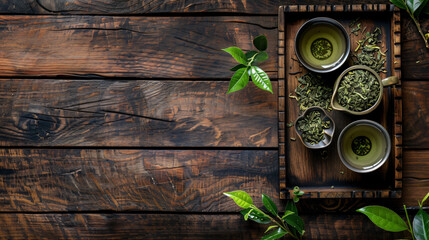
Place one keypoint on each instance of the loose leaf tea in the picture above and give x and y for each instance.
(313, 91)
(358, 90)
(311, 127)
(369, 53)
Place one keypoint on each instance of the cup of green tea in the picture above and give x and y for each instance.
(359, 90)
(364, 146)
(322, 45)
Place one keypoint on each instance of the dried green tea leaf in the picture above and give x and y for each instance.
(358, 90)
(311, 127)
(313, 91)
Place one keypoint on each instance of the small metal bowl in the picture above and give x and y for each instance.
(329, 133)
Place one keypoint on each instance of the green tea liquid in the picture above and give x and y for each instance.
(363, 146)
(322, 46)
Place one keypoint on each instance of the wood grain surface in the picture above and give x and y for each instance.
(178, 226)
(415, 57)
(46, 112)
(140, 47)
(416, 114)
(158, 6)
(35, 180)
(416, 177)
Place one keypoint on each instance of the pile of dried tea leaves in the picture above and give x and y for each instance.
(358, 90)
(311, 127)
(369, 52)
(313, 91)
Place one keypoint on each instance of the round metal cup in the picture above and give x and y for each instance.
(314, 23)
(377, 162)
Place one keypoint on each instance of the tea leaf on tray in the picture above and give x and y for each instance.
(313, 91)
(370, 53)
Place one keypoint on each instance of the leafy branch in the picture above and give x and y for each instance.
(414, 8)
(290, 223)
(247, 66)
(390, 221)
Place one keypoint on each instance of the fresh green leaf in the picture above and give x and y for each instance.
(384, 218)
(420, 8)
(287, 213)
(237, 54)
(260, 42)
(246, 216)
(296, 222)
(255, 216)
(260, 79)
(237, 67)
(262, 56)
(269, 205)
(427, 35)
(290, 206)
(427, 195)
(239, 80)
(414, 6)
(241, 198)
(421, 225)
(270, 227)
(275, 234)
(399, 3)
(250, 54)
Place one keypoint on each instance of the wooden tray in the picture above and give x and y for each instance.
(319, 173)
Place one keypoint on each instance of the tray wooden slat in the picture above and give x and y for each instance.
(327, 177)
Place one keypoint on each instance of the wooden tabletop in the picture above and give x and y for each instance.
(114, 122)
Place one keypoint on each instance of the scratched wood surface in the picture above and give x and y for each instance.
(113, 7)
(86, 86)
(176, 226)
(43, 112)
(131, 180)
(143, 47)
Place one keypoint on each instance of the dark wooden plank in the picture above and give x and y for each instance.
(135, 113)
(415, 57)
(138, 180)
(416, 177)
(416, 114)
(149, 47)
(157, 6)
(178, 226)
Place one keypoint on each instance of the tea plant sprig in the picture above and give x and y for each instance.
(247, 66)
(290, 223)
(414, 8)
(390, 221)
